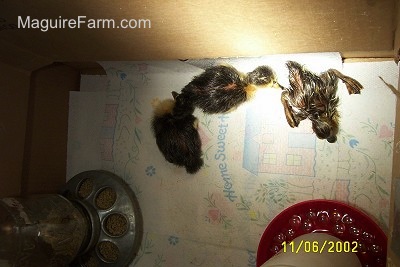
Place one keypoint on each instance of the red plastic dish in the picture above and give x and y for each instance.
(330, 217)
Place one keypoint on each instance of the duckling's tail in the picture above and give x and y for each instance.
(194, 166)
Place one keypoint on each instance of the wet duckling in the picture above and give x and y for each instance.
(314, 97)
(222, 88)
(175, 130)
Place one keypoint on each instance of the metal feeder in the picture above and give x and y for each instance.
(116, 224)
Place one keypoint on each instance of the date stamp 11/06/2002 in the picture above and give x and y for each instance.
(319, 247)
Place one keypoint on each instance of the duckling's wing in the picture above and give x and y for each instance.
(220, 77)
(353, 86)
(295, 76)
(299, 91)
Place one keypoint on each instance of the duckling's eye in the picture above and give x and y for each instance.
(315, 115)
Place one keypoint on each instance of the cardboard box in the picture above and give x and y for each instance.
(40, 66)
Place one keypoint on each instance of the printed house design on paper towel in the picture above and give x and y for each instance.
(271, 146)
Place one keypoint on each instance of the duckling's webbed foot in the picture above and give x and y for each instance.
(290, 117)
(353, 86)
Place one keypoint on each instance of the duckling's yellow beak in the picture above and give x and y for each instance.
(271, 84)
(275, 84)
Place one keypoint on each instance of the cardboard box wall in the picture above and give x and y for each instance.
(396, 178)
(34, 91)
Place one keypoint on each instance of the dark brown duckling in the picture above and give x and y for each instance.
(314, 97)
(177, 137)
(222, 88)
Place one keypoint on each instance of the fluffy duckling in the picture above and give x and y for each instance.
(175, 130)
(314, 97)
(222, 88)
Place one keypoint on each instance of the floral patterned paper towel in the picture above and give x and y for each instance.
(255, 164)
